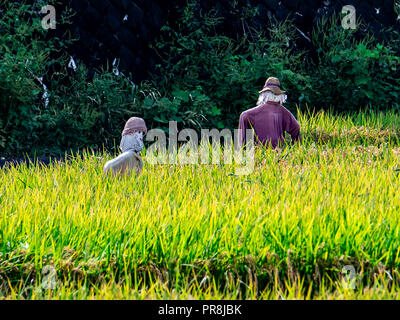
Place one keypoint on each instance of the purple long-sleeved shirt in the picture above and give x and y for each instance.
(269, 121)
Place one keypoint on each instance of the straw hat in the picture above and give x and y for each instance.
(273, 85)
(134, 125)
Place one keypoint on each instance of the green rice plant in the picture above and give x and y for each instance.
(199, 232)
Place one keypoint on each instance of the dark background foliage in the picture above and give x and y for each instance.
(200, 63)
(123, 29)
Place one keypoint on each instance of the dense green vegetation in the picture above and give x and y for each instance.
(285, 231)
(204, 79)
(349, 71)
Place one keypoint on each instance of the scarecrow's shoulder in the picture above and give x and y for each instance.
(250, 112)
(287, 112)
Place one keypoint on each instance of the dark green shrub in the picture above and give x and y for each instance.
(228, 71)
(25, 58)
(205, 79)
(89, 114)
(79, 113)
(22, 60)
(351, 74)
(350, 71)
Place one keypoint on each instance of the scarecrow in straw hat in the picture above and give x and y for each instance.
(269, 118)
(131, 146)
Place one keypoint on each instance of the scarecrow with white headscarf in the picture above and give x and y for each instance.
(270, 119)
(131, 147)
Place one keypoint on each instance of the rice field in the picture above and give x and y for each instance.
(318, 220)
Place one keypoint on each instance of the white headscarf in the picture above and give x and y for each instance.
(268, 96)
(132, 142)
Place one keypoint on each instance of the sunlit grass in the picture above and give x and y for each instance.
(200, 232)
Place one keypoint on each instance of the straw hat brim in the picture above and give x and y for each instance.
(274, 90)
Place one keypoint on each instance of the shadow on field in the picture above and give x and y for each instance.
(246, 276)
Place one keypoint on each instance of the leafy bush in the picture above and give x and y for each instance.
(23, 59)
(351, 73)
(205, 79)
(76, 112)
(228, 71)
(92, 113)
